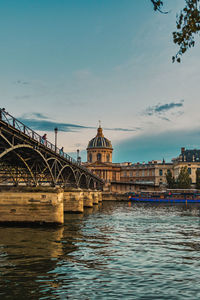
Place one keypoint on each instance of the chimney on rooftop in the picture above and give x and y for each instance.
(182, 150)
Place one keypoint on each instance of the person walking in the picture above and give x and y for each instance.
(44, 139)
(62, 151)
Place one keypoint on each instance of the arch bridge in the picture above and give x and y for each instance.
(27, 159)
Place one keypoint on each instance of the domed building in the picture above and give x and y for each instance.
(99, 158)
(126, 177)
(99, 148)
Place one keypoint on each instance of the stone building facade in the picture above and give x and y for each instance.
(123, 177)
(127, 177)
(189, 159)
(153, 172)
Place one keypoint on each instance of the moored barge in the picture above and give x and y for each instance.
(171, 196)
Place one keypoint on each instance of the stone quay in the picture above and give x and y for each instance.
(43, 205)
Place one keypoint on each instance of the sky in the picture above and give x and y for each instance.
(69, 64)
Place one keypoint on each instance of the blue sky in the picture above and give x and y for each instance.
(69, 63)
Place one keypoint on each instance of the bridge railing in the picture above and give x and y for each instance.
(10, 120)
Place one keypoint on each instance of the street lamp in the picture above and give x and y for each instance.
(56, 131)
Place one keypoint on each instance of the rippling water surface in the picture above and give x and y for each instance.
(116, 250)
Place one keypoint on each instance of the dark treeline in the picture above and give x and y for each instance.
(183, 180)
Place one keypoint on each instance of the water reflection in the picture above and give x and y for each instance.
(113, 250)
(23, 254)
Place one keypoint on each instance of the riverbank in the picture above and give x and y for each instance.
(108, 196)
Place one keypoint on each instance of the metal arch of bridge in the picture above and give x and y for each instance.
(25, 159)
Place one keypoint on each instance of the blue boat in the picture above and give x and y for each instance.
(166, 197)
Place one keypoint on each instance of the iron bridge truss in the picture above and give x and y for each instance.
(26, 159)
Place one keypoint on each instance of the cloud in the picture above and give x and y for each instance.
(38, 121)
(22, 82)
(46, 125)
(162, 108)
(40, 116)
(123, 129)
(35, 115)
(156, 145)
(165, 119)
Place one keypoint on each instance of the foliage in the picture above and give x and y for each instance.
(198, 179)
(170, 180)
(184, 180)
(157, 5)
(187, 25)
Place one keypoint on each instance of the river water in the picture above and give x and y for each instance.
(114, 251)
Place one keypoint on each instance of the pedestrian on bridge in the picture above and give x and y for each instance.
(62, 151)
(44, 139)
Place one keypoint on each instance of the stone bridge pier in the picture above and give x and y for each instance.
(95, 196)
(88, 198)
(44, 205)
(75, 200)
(31, 205)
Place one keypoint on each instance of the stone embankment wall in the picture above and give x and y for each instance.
(107, 196)
(31, 205)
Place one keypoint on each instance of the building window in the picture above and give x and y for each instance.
(98, 156)
(108, 157)
(131, 174)
(90, 157)
(189, 171)
(161, 172)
